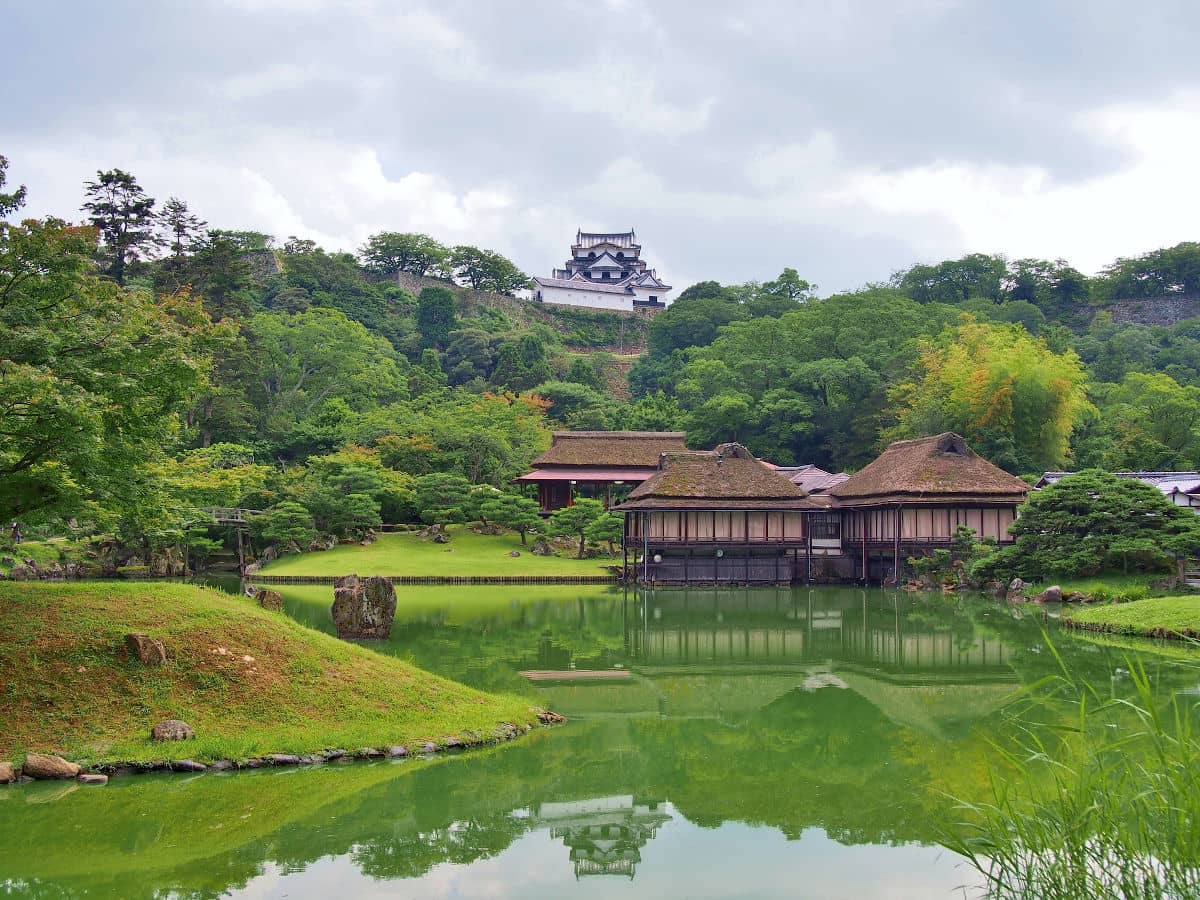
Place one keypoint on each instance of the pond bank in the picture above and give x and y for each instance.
(251, 684)
(1159, 617)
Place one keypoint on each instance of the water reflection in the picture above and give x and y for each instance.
(756, 735)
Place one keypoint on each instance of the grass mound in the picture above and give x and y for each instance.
(1153, 617)
(248, 681)
(467, 554)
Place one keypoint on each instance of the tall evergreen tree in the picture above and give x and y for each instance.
(124, 215)
(184, 229)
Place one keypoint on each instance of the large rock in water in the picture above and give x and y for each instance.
(363, 607)
(271, 600)
(43, 765)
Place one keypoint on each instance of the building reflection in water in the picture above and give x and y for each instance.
(605, 834)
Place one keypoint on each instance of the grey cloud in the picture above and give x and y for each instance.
(529, 96)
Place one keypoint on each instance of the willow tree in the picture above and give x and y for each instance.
(1005, 391)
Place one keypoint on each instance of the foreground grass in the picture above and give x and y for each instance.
(67, 684)
(1153, 617)
(403, 554)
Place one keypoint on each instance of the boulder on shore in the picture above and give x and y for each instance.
(172, 730)
(271, 600)
(363, 608)
(45, 765)
(1052, 594)
(7, 773)
(149, 651)
(541, 547)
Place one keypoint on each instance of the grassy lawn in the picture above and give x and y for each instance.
(1153, 617)
(67, 684)
(467, 553)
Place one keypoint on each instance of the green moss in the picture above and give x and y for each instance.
(467, 554)
(248, 681)
(1154, 617)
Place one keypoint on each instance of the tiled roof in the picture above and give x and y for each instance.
(1167, 482)
(621, 449)
(619, 238)
(930, 467)
(582, 284)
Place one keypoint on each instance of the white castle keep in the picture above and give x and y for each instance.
(605, 271)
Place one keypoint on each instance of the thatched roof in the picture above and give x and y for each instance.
(728, 477)
(930, 468)
(610, 448)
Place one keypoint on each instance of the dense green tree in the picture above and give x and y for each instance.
(91, 376)
(302, 360)
(348, 492)
(436, 316)
(512, 511)
(123, 215)
(441, 498)
(1013, 399)
(567, 398)
(486, 270)
(287, 522)
(607, 528)
(244, 241)
(1093, 522)
(575, 520)
(1146, 422)
(521, 363)
(1169, 270)
(390, 252)
(692, 321)
(956, 280)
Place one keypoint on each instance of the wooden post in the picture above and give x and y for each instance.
(864, 546)
(896, 552)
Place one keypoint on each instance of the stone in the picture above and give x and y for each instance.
(252, 763)
(7, 561)
(149, 651)
(252, 569)
(514, 553)
(1016, 586)
(546, 717)
(440, 538)
(541, 547)
(369, 753)
(172, 730)
(271, 600)
(397, 752)
(1052, 594)
(45, 765)
(312, 759)
(221, 765)
(187, 765)
(320, 544)
(284, 759)
(363, 608)
(334, 754)
(430, 747)
(92, 778)
(7, 773)
(22, 573)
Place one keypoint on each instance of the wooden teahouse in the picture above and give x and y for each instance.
(715, 516)
(722, 516)
(600, 464)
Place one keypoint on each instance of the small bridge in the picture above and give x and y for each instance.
(230, 515)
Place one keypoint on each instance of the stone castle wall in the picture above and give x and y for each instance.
(1165, 311)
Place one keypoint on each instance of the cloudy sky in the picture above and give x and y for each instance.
(846, 139)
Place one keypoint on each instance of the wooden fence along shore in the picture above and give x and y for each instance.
(445, 579)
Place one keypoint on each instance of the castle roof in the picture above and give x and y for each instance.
(579, 283)
(585, 239)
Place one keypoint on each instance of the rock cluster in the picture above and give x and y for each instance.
(363, 608)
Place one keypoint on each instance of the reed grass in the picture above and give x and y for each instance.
(1100, 798)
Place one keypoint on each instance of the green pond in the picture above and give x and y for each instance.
(754, 743)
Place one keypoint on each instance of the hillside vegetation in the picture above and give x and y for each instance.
(249, 682)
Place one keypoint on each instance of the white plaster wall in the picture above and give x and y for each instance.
(592, 299)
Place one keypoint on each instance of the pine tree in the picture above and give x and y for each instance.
(124, 216)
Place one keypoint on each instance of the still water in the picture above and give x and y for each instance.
(756, 743)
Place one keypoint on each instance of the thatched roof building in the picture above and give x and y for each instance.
(941, 469)
(597, 462)
(728, 477)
